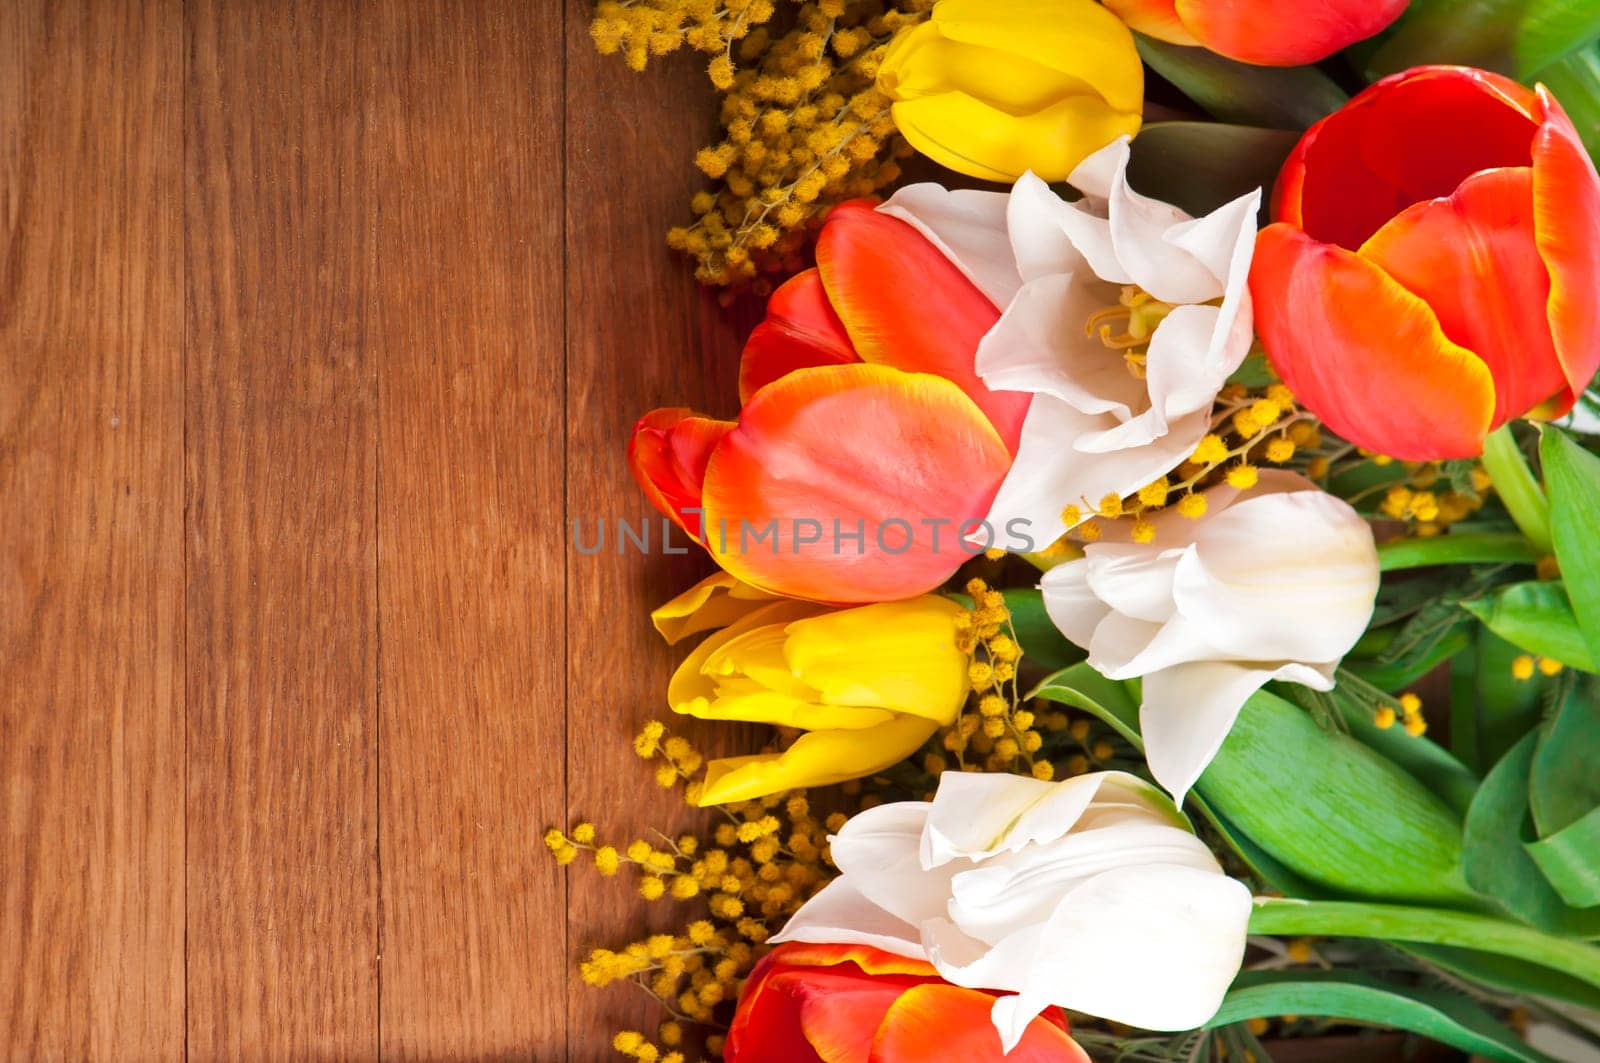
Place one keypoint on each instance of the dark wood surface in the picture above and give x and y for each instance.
(319, 322)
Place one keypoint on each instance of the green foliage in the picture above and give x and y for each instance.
(1538, 618)
(1352, 996)
(1199, 166)
(1266, 96)
(1572, 482)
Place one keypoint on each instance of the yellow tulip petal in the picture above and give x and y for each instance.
(965, 134)
(690, 682)
(924, 62)
(781, 710)
(900, 655)
(716, 601)
(1075, 37)
(820, 758)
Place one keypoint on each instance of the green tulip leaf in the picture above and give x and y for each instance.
(1351, 996)
(1267, 96)
(1570, 861)
(1496, 862)
(1574, 963)
(1572, 482)
(1332, 810)
(1199, 166)
(1537, 617)
(1425, 760)
(1550, 29)
(1575, 81)
(1512, 975)
(1463, 32)
(1564, 795)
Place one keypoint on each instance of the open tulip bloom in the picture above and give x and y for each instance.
(1216, 452)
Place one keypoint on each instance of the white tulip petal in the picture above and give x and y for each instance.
(969, 227)
(880, 849)
(1223, 240)
(976, 816)
(1124, 647)
(1039, 345)
(1096, 175)
(1139, 228)
(841, 915)
(1134, 580)
(1072, 607)
(1283, 577)
(1179, 368)
(1187, 712)
(1039, 244)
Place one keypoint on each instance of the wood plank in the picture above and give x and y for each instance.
(641, 334)
(465, 321)
(91, 532)
(281, 474)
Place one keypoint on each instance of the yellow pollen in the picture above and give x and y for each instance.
(1522, 667)
(1154, 494)
(1242, 476)
(1548, 666)
(1089, 531)
(1210, 451)
(1384, 717)
(1143, 531)
(1192, 506)
(1280, 450)
(1071, 515)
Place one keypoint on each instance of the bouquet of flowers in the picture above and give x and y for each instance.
(1163, 549)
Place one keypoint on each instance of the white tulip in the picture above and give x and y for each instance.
(1100, 424)
(1274, 583)
(1091, 893)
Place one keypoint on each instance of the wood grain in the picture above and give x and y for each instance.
(641, 334)
(91, 525)
(281, 476)
(466, 326)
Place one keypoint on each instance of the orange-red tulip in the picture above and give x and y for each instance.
(866, 439)
(854, 1004)
(1434, 270)
(1265, 32)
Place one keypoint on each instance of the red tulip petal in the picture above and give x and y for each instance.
(1257, 31)
(905, 305)
(668, 454)
(1410, 137)
(800, 330)
(851, 447)
(1566, 214)
(1471, 256)
(1364, 354)
(936, 1020)
(1154, 18)
(869, 959)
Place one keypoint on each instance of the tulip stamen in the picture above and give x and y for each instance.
(1127, 325)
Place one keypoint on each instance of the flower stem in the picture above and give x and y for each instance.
(1465, 549)
(1428, 926)
(1514, 482)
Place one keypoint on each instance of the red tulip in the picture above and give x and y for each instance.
(866, 437)
(1434, 270)
(1265, 32)
(854, 1004)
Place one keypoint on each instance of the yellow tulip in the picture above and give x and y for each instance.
(868, 684)
(994, 88)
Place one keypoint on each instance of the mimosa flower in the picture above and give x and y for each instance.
(865, 427)
(1434, 270)
(869, 685)
(996, 88)
(1277, 582)
(1092, 894)
(855, 1004)
(1261, 31)
(1123, 318)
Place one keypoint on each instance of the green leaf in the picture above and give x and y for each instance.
(1519, 492)
(1199, 166)
(1575, 80)
(1400, 554)
(1505, 973)
(1572, 481)
(1270, 97)
(1352, 996)
(1426, 761)
(1332, 810)
(1464, 32)
(1549, 29)
(1538, 618)
(1564, 784)
(1564, 795)
(1429, 926)
(1495, 861)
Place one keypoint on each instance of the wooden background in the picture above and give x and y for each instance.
(319, 321)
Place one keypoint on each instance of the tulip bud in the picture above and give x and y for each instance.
(995, 88)
(1256, 31)
(869, 685)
